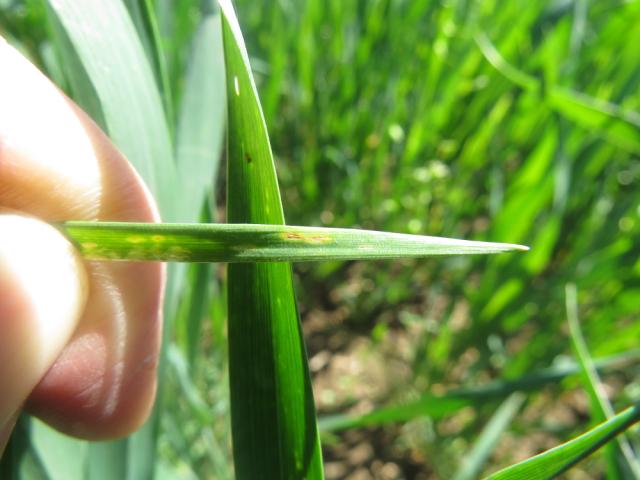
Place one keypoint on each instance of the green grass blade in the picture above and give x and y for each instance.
(600, 406)
(146, 22)
(620, 126)
(592, 381)
(272, 408)
(432, 406)
(22, 459)
(439, 406)
(61, 456)
(192, 310)
(257, 243)
(494, 57)
(559, 459)
(474, 461)
(201, 123)
(108, 460)
(127, 96)
(188, 390)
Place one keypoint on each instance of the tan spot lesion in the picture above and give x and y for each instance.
(313, 239)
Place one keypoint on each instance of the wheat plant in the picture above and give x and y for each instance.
(181, 94)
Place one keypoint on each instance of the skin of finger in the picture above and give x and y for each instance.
(56, 164)
(43, 293)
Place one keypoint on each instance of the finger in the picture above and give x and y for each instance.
(43, 291)
(55, 163)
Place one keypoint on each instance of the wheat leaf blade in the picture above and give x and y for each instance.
(242, 243)
(273, 417)
(557, 460)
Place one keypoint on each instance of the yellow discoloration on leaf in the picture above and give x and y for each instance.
(136, 239)
(306, 238)
(157, 238)
(89, 246)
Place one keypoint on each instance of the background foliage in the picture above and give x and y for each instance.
(505, 121)
(397, 115)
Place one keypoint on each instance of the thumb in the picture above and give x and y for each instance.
(43, 291)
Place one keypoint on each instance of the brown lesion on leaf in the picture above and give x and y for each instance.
(247, 157)
(306, 238)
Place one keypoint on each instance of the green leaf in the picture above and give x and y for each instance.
(21, 459)
(559, 459)
(188, 390)
(143, 16)
(126, 97)
(108, 460)
(202, 119)
(59, 454)
(192, 311)
(272, 408)
(242, 243)
(473, 462)
(601, 408)
(438, 406)
(620, 126)
(432, 406)
(510, 72)
(199, 142)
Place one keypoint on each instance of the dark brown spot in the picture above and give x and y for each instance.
(247, 157)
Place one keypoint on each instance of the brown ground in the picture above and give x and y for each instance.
(354, 373)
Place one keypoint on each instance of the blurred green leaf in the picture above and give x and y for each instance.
(201, 124)
(559, 459)
(435, 406)
(199, 142)
(22, 459)
(144, 18)
(473, 462)
(618, 125)
(601, 408)
(428, 406)
(127, 98)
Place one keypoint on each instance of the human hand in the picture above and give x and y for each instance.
(78, 340)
